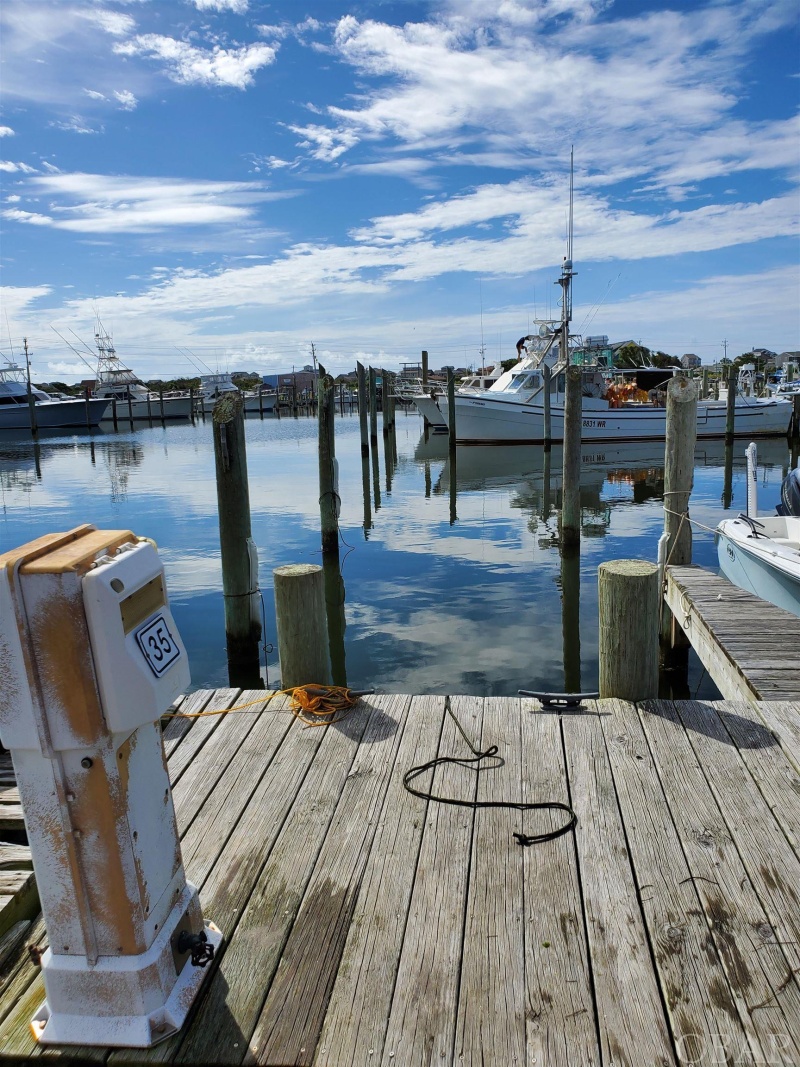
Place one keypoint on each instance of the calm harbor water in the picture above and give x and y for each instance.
(454, 581)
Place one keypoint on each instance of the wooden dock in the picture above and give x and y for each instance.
(366, 926)
(750, 648)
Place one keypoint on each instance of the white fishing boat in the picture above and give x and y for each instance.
(761, 553)
(512, 410)
(48, 412)
(115, 381)
(213, 386)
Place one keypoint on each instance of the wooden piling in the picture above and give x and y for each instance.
(424, 370)
(730, 412)
(705, 383)
(161, 401)
(571, 616)
(548, 429)
(681, 438)
(328, 488)
(795, 421)
(149, 409)
(88, 408)
(335, 616)
(301, 624)
(362, 409)
(114, 412)
(628, 603)
(373, 407)
(727, 476)
(451, 410)
(385, 404)
(130, 407)
(679, 448)
(242, 625)
(571, 478)
(376, 478)
(367, 493)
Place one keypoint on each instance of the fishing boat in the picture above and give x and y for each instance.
(761, 553)
(426, 399)
(513, 410)
(213, 386)
(115, 381)
(48, 412)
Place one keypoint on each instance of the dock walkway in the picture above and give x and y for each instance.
(366, 926)
(750, 648)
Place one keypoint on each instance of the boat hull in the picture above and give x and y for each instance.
(761, 570)
(251, 404)
(60, 414)
(488, 421)
(174, 407)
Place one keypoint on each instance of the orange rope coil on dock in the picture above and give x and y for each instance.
(312, 704)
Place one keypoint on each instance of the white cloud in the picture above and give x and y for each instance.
(67, 368)
(126, 99)
(92, 203)
(189, 65)
(74, 125)
(11, 168)
(238, 7)
(30, 217)
(502, 83)
(6, 131)
(112, 22)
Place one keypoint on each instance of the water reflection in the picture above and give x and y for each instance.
(334, 609)
(455, 581)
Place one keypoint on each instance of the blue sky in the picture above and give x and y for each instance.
(236, 179)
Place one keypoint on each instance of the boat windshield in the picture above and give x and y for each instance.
(523, 380)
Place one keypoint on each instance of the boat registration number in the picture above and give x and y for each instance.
(157, 645)
(594, 424)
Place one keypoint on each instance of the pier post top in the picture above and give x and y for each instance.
(682, 389)
(631, 568)
(292, 570)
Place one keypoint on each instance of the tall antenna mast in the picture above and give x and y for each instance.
(483, 346)
(567, 274)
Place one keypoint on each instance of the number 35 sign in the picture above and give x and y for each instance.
(158, 645)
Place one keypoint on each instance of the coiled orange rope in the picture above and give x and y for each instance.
(313, 705)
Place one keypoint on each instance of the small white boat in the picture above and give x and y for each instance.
(761, 553)
(48, 412)
(115, 381)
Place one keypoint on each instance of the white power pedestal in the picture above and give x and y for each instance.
(91, 659)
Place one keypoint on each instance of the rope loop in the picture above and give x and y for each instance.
(477, 756)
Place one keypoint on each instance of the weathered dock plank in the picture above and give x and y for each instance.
(757, 960)
(772, 867)
(423, 1013)
(258, 935)
(291, 1019)
(560, 1009)
(358, 1012)
(364, 925)
(704, 997)
(491, 1025)
(630, 1015)
(748, 646)
(10, 805)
